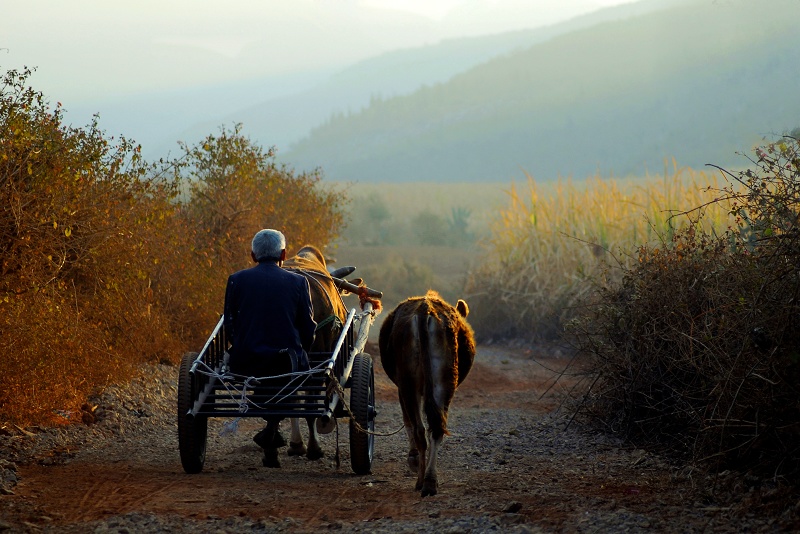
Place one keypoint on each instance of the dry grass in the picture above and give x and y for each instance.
(552, 243)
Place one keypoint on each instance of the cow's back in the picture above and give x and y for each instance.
(420, 325)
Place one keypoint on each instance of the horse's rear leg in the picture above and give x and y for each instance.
(270, 451)
(315, 451)
(296, 445)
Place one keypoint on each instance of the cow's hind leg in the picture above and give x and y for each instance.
(422, 446)
(430, 483)
(417, 445)
(413, 452)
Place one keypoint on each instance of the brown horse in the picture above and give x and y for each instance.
(329, 314)
(427, 348)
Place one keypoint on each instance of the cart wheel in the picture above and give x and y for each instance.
(192, 431)
(362, 404)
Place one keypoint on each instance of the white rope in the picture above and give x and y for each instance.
(226, 379)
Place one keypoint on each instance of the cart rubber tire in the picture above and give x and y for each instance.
(192, 431)
(362, 404)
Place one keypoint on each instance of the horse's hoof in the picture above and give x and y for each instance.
(296, 449)
(270, 458)
(262, 439)
(325, 428)
(278, 441)
(315, 453)
(413, 461)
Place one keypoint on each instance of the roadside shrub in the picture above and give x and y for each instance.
(108, 261)
(76, 222)
(233, 188)
(698, 348)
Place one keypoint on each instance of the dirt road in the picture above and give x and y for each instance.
(508, 465)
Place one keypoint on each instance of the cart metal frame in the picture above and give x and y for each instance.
(206, 389)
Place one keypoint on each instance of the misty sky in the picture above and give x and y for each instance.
(98, 50)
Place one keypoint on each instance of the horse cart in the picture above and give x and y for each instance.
(340, 384)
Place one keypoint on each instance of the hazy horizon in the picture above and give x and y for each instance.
(91, 52)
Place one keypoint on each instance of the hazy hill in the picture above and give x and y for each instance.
(697, 80)
(285, 120)
(281, 109)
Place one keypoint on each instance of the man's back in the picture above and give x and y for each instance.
(267, 309)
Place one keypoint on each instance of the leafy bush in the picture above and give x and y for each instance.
(76, 304)
(233, 189)
(698, 349)
(108, 261)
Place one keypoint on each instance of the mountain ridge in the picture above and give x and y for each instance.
(609, 98)
(283, 120)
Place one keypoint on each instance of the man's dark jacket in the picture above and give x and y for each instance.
(267, 309)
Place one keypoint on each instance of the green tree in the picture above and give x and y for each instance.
(236, 188)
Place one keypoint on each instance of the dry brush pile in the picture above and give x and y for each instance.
(107, 261)
(697, 350)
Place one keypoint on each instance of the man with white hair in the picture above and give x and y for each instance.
(269, 320)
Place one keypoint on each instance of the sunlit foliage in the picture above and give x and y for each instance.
(108, 261)
(77, 238)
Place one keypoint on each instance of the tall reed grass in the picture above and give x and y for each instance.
(553, 242)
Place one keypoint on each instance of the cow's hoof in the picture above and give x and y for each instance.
(429, 487)
(315, 453)
(270, 458)
(296, 449)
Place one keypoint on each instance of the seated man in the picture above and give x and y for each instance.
(268, 318)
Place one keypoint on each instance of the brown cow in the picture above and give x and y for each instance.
(329, 314)
(427, 348)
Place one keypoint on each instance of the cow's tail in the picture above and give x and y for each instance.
(429, 333)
